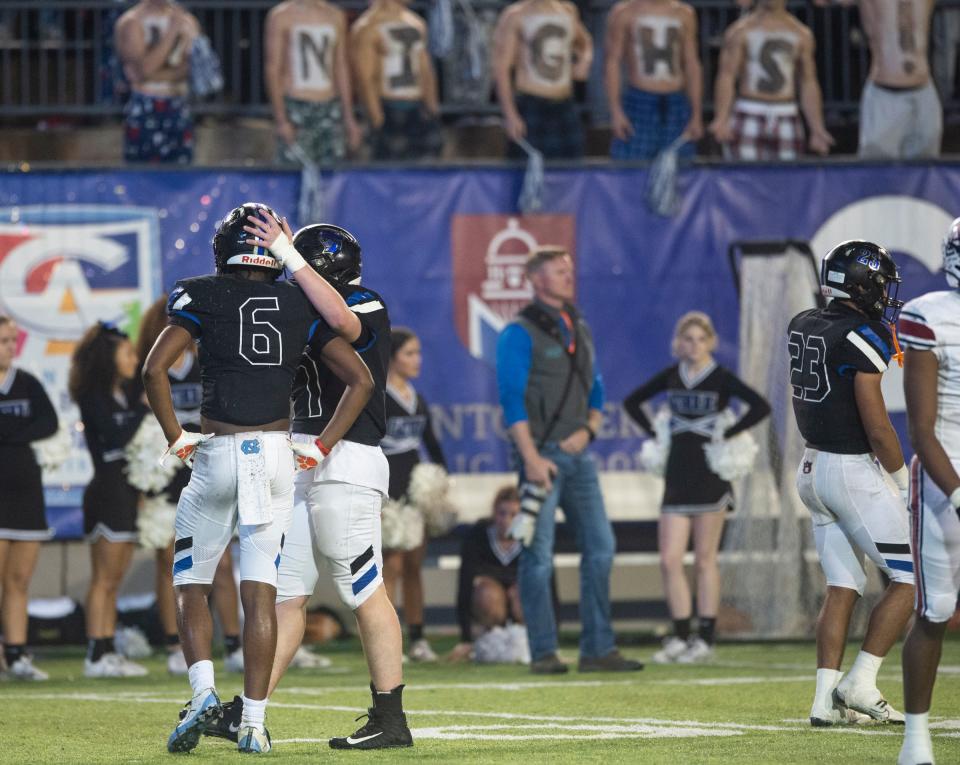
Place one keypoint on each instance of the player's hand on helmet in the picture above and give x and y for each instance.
(620, 124)
(820, 141)
(266, 231)
(184, 448)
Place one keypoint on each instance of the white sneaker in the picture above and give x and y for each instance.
(23, 669)
(304, 658)
(421, 651)
(129, 668)
(234, 661)
(132, 643)
(108, 665)
(837, 714)
(868, 701)
(697, 651)
(673, 648)
(176, 663)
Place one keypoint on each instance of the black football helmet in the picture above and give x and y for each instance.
(864, 273)
(331, 251)
(230, 248)
(951, 254)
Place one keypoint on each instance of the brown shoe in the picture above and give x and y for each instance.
(549, 665)
(612, 662)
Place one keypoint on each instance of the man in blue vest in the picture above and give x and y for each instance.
(552, 399)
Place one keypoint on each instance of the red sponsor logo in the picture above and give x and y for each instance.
(258, 260)
(489, 253)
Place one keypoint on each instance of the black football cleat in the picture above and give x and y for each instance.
(228, 724)
(386, 726)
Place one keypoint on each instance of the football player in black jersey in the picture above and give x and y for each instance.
(251, 331)
(838, 355)
(337, 509)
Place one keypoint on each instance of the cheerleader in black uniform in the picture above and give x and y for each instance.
(408, 427)
(187, 395)
(102, 370)
(694, 498)
(26, 415)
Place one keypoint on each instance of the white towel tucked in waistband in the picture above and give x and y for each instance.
(253, 484)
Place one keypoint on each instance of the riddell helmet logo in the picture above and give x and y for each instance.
(489, 284)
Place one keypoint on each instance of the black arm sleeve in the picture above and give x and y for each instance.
(43, 421)
(468, 570)
(757, 406)
(633, 404)
(430, 438)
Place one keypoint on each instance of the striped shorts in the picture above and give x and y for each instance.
(935, 534)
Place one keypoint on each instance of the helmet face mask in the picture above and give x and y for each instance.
(865, 274)
(332, 251)
(230, 249)
(951, 254)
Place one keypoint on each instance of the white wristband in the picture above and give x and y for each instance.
(955, 498)
(901, 478)
(283, 248)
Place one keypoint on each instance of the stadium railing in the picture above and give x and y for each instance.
(57, 57)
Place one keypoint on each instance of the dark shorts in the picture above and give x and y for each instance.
(110, 506)
(320, 130)
(22, 516)
(157, 130)
(658, 119)
(553, 127)
(408, 132)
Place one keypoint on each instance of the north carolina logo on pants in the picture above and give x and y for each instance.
(489, 286)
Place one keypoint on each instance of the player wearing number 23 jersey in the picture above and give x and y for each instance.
(837, 356)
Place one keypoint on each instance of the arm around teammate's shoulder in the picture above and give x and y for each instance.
(876, 422)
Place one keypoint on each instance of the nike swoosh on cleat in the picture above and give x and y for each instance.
(351, 740)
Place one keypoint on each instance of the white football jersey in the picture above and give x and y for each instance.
(931, 322)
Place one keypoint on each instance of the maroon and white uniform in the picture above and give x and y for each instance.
(932, 323)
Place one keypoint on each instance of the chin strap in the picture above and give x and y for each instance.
(897, 352)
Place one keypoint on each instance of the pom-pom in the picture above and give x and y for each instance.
(131, 642)
(730, 458)
(654, 452)
(155, 522)
(428, 491)
(52, 452)
(144, 470)
(503, 645)
(402, 526)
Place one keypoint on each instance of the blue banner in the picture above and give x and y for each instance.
(446, 248)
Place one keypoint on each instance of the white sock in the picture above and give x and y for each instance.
(864, 670)
(201, 676)
(917, 729)
(254, 713)
(827, 680)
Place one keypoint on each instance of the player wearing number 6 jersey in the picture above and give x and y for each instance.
(251, 332)
(930, 328)
(838, 355)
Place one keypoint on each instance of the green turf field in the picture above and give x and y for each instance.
(748, 707)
